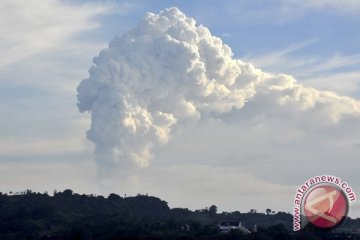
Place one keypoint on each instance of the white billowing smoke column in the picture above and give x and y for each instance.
(168, 70)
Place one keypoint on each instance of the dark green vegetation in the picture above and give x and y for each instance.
(68, 215)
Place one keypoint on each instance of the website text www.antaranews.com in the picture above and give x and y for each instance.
(311, 182)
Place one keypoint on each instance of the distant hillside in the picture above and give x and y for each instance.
(68, 215)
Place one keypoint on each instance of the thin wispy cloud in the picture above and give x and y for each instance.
(340, 7)
(29, 27)
(39, 74)
(279, 12)
(336, 73)
(280, 57)
(344, 83)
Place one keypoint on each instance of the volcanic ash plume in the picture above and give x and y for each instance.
(168, 71)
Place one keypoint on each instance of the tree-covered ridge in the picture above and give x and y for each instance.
(67, 215)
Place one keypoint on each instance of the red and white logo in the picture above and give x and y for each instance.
(325, 206)
(322, 202)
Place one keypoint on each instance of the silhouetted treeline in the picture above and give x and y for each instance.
(68, 215)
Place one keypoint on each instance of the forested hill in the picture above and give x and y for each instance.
(68, 215)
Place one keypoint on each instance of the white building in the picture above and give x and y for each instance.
(226, 227)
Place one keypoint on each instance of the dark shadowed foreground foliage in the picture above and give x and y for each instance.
(68, 215)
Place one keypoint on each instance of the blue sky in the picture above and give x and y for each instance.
(47, 48)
